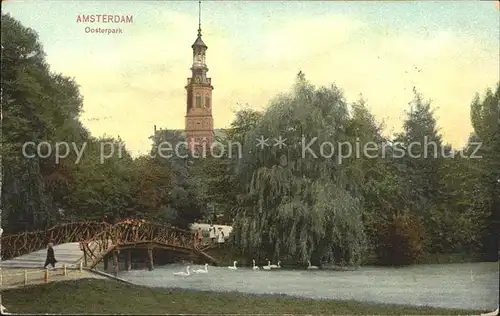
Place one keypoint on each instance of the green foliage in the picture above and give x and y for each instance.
(423, 163)
(41, 106)
(181, 204)
(485, 117)
(294, 206)
(401, 238)
(285, 203)
(244, 122)
(278, 213)
(37, 106)
(101, 190)
(216, 185)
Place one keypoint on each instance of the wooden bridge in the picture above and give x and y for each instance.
(28, 242)
(98, 240)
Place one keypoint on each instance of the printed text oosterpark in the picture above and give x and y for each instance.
(104, 18)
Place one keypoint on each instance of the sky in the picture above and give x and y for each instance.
(134, 80)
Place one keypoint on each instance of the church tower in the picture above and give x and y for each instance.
(199, 120)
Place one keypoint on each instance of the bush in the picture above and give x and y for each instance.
(454, 230)
(400, 240)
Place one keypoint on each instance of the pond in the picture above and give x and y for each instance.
(465, 285)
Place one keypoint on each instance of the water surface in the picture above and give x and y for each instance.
(467, 286)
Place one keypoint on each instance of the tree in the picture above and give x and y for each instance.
(394, 235)
(423, 157)
(101, 188)
(421, 165)
(318, 196)
(245, 120)
(179, 204)
(216, 174)
(38, 106)
(41, 106)
(400, 239)
(296, 206)
(217, 186)
(485, 117)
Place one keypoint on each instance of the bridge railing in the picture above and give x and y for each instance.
(130, 234)
(96, 238)
(19, 277)
(27, 242)
(98, 246)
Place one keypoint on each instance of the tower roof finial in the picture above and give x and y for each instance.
(199, 41)
(199, 18)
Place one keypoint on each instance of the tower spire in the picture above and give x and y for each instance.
(199, 18)
(199, 120)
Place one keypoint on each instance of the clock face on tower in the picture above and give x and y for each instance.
(197, 79)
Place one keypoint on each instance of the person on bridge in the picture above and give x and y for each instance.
(51, 259)
(200, 237)
(212, 233)
(221, 237)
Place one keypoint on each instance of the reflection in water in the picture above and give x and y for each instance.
(468, 286)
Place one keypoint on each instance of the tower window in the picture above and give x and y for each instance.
(207, 102)
(198, 101)
(189, 102)
(198, 59)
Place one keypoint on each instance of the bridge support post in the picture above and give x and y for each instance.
(106, 262)
(128, 261)
(85, 256)
(115, 262)
(150, 259)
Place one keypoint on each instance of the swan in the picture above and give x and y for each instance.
(183, 273)
(3, 310)
(268, 267)
(493, 313)
(233, 267)
(273, 266)
(311, 267)
(202, 270)
(254, 266)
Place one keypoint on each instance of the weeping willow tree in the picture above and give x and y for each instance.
(299, 202)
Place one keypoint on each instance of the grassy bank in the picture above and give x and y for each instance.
(106, 296)
(450, 258)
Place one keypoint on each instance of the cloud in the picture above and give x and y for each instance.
(138, 79)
